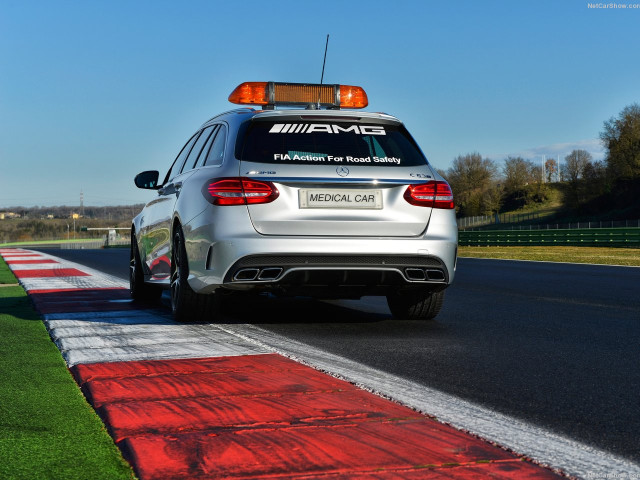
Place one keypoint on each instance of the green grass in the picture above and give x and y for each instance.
(47, 429)
(6, 277)
(597, 255)
(550, 206)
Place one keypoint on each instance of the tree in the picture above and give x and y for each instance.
(492, 198)
(575, 164)
(551, 169)
(518, 173)
(573, 171)
(621, 138)
(595, 173)
(470, 177)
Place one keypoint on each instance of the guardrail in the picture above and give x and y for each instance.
(594, 237)
(507, 222)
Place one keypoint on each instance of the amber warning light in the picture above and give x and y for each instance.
(270, 94)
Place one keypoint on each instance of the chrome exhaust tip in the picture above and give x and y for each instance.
(246, 274)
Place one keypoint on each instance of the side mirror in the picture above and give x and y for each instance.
(148, 180)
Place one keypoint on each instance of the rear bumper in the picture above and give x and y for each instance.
(293, 261)
(237, 257)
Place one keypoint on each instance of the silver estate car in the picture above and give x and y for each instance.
(308, 200)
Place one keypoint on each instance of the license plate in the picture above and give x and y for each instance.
(316, 198)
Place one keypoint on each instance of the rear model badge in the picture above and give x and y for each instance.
(342, 171)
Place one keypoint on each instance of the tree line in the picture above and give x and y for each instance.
(483, 187)
(35, 223)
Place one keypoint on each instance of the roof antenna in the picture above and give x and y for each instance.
(326, 46)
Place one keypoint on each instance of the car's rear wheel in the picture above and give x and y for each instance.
(415, 304)
(187, 305)
(137, 288)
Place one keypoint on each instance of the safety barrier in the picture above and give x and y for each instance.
(594, 237)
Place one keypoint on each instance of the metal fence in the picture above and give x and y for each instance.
(585, 237)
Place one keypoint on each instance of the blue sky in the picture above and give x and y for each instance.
(93, 92)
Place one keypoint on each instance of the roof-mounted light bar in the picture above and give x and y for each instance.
(270, 94)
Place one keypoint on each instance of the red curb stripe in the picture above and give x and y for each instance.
(210, 385)
(197, 414)
(247, 363)
(261, 453)
(50, 272)
(12, 255)
(29, 262)
(507, 470)
(260, 416)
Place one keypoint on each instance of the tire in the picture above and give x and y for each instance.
(187, 305)
(137, 288)
(415, 304)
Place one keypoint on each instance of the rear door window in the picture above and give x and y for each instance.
(216, 152)
(197, 148)
(330, 143)
(207, 148)
(179, 161)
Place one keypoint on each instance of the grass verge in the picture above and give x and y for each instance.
(597, 255)
(47, 429)
(6, 277)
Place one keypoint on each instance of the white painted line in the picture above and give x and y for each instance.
(543, 446)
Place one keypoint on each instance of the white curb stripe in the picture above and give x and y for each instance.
(223, 347)
(35, 266)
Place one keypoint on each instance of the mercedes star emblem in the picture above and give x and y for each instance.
(342, 171)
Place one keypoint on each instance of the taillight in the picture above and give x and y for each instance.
(435, 194)
(239, 191)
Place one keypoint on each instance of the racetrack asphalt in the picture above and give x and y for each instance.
(555, 345)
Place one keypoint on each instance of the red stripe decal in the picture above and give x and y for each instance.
(49, 272)
(261, 416)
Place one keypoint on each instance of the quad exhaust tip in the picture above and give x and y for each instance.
(270, 273)
(257, 274)
(422, 275)
(416, 274)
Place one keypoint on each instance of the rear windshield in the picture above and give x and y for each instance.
(329, 143)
